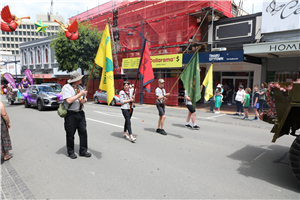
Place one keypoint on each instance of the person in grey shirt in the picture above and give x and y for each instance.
(74, 97)
(125, 99)
(191, 114)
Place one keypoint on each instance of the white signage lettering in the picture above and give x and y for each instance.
(280, 15)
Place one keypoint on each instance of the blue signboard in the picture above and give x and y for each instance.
(222, 56)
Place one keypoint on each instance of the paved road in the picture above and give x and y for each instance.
(227, 158)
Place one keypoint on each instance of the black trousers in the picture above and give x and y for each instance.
(76, 121)
(261, 104)
(239, 106)
(127, 116)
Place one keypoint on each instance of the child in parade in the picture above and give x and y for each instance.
(218, 98)
(246, 102)
(125, 98)
(191, 114)
(255, 102)
(161, 97)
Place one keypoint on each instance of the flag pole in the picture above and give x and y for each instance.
(137, 74)
(88, 82)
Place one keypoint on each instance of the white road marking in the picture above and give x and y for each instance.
(105, 123)
(216, 116)
(113, 114)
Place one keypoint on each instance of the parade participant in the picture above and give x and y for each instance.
(255, 102)
(24, 84)
(5, 138)
(125, 99)
(191, 114)
(74, 97)
(247, 102)
(161, 97)
(240, 95)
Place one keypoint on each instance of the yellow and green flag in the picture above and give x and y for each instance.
(104, 60)
(208, 83)
(191, 79)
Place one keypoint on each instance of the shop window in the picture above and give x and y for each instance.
(46, 55)
(284, 76)
(235, 73)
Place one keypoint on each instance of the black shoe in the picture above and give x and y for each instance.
(73, 156)
(188, 126)
(158, 130)
(86, 154)
(236, 114)
(196, 127)
(163, 132)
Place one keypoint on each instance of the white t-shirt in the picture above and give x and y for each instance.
(240, 95)
(187, 102)
(159, 93)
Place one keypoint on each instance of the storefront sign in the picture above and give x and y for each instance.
(223, 56)
(272, 47)
(285, 47)
(164, 61)
(280, 15)
(42, 75)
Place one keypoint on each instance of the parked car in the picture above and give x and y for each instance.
(100, 96)
(53, 84)
(42, 96)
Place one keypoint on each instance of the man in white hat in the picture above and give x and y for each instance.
(74, 97)
(161, 97)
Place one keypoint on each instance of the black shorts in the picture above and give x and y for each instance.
(246, 107)
(161, 109)
(191, 108)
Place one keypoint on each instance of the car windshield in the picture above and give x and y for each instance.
(46, 89)
(56, 88)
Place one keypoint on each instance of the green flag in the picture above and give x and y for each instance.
(191, 79)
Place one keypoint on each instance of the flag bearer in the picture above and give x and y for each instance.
(191, 114)
(161, 97)
(125, 98)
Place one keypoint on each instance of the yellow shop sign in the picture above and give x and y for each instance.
(163, 61)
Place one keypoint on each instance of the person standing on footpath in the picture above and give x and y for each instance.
(262, 96)
(126, 98)
(5, 138)
(191, 114)
(239, 98)
(74, 97)
(161, 97)
(255, 102)
(246, 102)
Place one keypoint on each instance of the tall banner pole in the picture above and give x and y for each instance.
(142, 50)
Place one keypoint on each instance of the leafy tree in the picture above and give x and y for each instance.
(71, 55)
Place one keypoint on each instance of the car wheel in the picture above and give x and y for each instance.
(26, 104)
(113, 102)
(40, 105)
(96, 100)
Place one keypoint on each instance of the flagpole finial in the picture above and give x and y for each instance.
(108, 20)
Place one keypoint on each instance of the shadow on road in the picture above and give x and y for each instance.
(95, 153)
(154, 131)
(267, 163)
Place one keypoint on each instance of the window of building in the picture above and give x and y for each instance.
(39, 60)
(4, 45)
(12, 32)
(56, 27)
(46, 55)
(12, 46)
(41, 33)
(32, 27)
(8, 45)
(25, 60)
(24, 26)
(12, 39)
(28, 33)
(24, 32)
(21, 39)
(13, 52)
(52, 27)
(37, 34)
(32, 33)
(31, 58)
(17, 39)
(17, 46)
(48, 34)
(3, 32)
(17, 52)
(7, 39)
(24, 39)
(20, 32)
(3, 38)
(0, 45)
(28, 26)
(16, 32)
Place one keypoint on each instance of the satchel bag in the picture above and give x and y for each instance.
(62, 111)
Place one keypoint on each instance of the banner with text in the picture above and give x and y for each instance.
(163, 61)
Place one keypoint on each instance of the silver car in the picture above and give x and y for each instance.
(41, 96)
(100, 96)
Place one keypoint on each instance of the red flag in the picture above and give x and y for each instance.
(145, 68)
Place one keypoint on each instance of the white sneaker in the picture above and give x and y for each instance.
(217, 112)
(132, 139)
